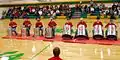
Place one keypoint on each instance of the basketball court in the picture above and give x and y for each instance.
(42, 50)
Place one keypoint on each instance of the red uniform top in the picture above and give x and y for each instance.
(82, 23)
(52, 24)
(110, 24)
(27, 23)
(97, 23)
(69, 23)
(55, 58)
(30, 8)
(38, 24)
(13, 24)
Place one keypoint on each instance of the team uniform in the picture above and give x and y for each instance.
(69, 23)
(55, 58)
(81, 32)
(13, 26)
(52, 24)
(39, 25)
(27, 24)
(111, 33)
(82, 23)
(98, 23)
(67, 31)
(98, 32)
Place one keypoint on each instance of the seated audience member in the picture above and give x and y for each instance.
(56, 52)
(13, 26)
(39, 25)
(27, 24)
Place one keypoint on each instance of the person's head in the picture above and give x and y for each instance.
(56, 51)
(51, 19)
(111, 20)
(98, 18)
(38, 19)
(26, 19)
(81, 19)
(68, 19)
(11, 19)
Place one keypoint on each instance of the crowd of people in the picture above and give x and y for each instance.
(63, 9)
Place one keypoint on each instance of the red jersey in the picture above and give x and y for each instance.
(55, 58)
(82, 23)
(69, 23)
(38, 24)
(52, 24)
(110, 24)
(12, 24)
(30, 8)
(27, 23)
(97, 23)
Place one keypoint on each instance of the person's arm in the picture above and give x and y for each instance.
(15, 24)
(49, 24)
(106, 25)
(101, 24)
(71, 25)
(24, 23)
(115, 25)
(29, 24)
(78, 25)
(94, 24)
(10, 24)
(85, 24)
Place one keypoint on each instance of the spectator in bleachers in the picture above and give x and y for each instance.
(62, 9)
(56, 52)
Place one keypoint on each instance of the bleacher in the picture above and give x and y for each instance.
(74, 13)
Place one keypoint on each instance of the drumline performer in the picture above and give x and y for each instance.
(81, 29)
(12, 26)
(39, 25)
(67, 30)
(98, 29)
(111, 30)
(52, 24)
(27, 24)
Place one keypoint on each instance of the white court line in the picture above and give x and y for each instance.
(95, 51)
(80, 51)
(101, 54)
(109, 51)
